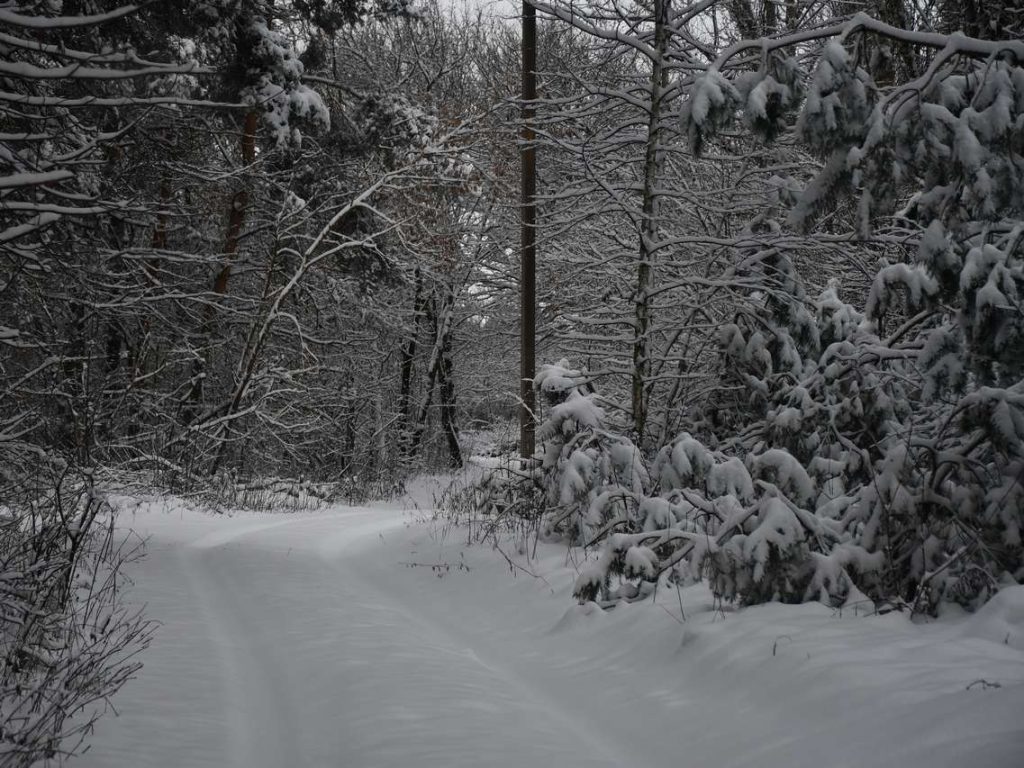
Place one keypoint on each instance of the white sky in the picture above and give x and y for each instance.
(502, 7)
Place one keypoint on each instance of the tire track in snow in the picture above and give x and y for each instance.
(253, 707)
(258, 701)
(436, 658)
(589, 737)
(307, 663)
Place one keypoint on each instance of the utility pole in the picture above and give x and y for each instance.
(528, 264)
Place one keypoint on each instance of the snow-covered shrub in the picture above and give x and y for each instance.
(772, 334)
(876, 476)
(594, 479)
(750, 527)
(885, 443)
(772, 561)
(852, 475)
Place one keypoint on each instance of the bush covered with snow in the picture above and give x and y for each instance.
(876, 448)
(859, 469)
(594, 478)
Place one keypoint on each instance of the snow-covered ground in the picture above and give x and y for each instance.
(368, 637)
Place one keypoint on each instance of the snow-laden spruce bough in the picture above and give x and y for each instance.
(875, 451)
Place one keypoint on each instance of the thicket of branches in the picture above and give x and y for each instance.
(243, 244)
(67, 640)
(801, 374)
(240, 236)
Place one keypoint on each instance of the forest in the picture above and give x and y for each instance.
(717, 295)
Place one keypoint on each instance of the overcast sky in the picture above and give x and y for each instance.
(503, 7)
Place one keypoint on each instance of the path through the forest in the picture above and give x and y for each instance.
(361, 638)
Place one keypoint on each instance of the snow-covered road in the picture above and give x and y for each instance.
(361, 638)
(281, 647)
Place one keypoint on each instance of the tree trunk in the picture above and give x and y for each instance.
(448, 414)
(237, 211)
(239, 206)
(648, 224)
(442, 322)
(408, 358)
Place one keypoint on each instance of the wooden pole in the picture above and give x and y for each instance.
(528, 264)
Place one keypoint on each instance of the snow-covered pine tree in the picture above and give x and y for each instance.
(595, 479)
(913, 413)
(885, 446)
